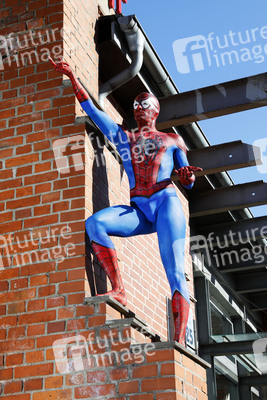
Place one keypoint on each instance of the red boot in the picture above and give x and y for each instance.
(180, 309)
(109, 262)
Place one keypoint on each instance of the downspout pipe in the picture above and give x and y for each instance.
(135, 42)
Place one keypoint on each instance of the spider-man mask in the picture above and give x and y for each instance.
(146, 108)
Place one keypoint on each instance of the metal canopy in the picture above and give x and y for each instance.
(224, 157)
(236, 231)
(258, 380)
(230, 198)
(213, 101)
(252, 282)
(252, 263)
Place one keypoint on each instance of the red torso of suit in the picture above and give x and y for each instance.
(148, 150)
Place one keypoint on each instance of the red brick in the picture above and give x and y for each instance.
(168, 396)
(34, 370)
(12, 103)
(4, 286)
(7, 194)
(64, 313)
(65, 394)
(35, 330)
(158, 384)
(35, 305)
(38, 280)
(54, 382)
(128, 387)
(24, 149)
(70, 287)
(17, 332)
(24, 191)
(8, 94)
(84, 310)
(55, 301)
(24, 170)
(161, 355)
(30, 201)
(18, 295)
(40, 221)
(94, 391)
(14, 359)
(75, 379)
(13, 387)
(35, 356)
(47, 291)
(145, 371)
(17, 345)
(118, 374)
(58, 326)
(33, 384)
(47, 177)
(143, 397)
(22, 130)
(43, 105)
(76, 324)
(96, 376)
(76, 298)
(22, 160)
(33, 318)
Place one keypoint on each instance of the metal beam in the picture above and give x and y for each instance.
(228, 348)
(230, 198)
(258, 380)
(239, 260)
(235, 232)
(213, 101)
(250, 283)
(224, 157)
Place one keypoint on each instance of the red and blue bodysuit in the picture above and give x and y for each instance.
(149, 158)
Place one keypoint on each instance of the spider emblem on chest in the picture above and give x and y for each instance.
(148, 146)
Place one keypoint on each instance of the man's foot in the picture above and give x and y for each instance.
(180, 308)
(120, 296)
(109, 262)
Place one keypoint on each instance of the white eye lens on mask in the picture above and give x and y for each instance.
(135, 104)
(145, 104)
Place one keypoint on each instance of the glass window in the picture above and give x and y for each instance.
(226, 389)
(221, 325)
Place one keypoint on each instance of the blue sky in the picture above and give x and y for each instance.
(236, 25)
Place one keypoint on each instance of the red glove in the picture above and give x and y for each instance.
(62, 67)
(186, 174)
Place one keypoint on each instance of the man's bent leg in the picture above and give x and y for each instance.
(171, 228)
(121, 221)
(109, 262)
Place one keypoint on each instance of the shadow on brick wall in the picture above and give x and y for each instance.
(96, 277)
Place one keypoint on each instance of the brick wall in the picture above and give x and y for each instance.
(46, 192)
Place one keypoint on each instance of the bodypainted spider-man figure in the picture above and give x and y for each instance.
(149, 157)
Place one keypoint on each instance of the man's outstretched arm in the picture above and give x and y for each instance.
(101, 119)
